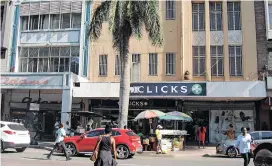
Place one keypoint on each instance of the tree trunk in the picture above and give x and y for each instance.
(124, 91)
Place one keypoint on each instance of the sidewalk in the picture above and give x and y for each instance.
(43, 145)
(189, 152)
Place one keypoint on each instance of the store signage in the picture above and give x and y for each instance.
(25, 81)
(137, 103)
(168, 89)
(39, 101)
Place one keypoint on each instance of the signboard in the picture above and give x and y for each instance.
(30, 81)
(168, 89)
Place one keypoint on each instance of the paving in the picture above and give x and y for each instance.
(34, 157)
(190, 151)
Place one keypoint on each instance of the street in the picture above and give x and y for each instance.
(37, 157)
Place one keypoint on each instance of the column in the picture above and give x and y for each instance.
(226, 41)
(66, 106)
(208, 41)
(6, 111)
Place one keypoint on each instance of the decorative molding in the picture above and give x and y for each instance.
(235, 37)
(199, 38)
(217, 38)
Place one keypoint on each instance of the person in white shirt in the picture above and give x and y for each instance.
(60, 135)
(243, 144)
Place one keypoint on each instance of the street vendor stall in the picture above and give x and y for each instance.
(172, 140)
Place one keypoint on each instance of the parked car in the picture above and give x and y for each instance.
(127, 142)
(228, 147)
(14, 135)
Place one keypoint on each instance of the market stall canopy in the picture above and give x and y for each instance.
(170, 117)
(181, 115)
(148, 114)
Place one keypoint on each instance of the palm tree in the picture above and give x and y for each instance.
(127, 19)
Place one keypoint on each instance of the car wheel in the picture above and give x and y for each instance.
(232, 152)
(71, 149)
(122, 152)
(20, 149)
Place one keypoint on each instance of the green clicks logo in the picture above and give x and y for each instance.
(197, 89)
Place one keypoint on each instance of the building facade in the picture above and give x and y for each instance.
(49, 53)
(206, 67)
(7, 8)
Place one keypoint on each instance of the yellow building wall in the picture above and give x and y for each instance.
(178, 39)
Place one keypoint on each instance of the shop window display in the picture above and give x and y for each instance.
(220, 121)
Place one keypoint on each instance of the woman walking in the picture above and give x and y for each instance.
(106, 146)
(243, 143)
(201, 135)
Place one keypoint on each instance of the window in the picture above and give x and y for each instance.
(270, 15)
(255, 136)
(216, 16)
(170, 7)
(103, 65)
(131, 133)
(50, 15)
(153, 64)
(2, 125)
(170, 64)
(44, 22)
(199, 60)
(95, 133)
(24, 22)
(65, 20)
(235, 60)
(117, 65)
(198, 20)
(217, 61)
(76, 20)
(136, 58)
(54, 21)
(34, 22)
(267, 135)
(49, 59)
(115, 133)
(234, 22)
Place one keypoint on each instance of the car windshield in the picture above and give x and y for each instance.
(17, 127)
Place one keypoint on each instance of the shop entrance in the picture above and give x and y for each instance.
(199, 117)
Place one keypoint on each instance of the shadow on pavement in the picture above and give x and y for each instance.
(8, 152)
(215, 156)
(33, 158)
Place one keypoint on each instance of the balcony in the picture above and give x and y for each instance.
(48, 37)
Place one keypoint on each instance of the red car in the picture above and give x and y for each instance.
(127, 142)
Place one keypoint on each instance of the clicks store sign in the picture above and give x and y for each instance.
(168, 89)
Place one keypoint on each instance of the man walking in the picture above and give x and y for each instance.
(243, 143)
(60, 135)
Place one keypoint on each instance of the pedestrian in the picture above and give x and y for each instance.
(243, 144)
(201, 135)
(105, 146)
(60, 135)
(159, 137)
(39, 131)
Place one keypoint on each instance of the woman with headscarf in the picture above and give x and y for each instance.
(263, 155)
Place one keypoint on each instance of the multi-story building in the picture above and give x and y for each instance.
(49, 52)
(263, 13)
(207, 67)
(6, 29)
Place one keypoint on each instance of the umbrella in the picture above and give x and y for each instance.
(170, 117)
(181, 115)
(148, 114)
